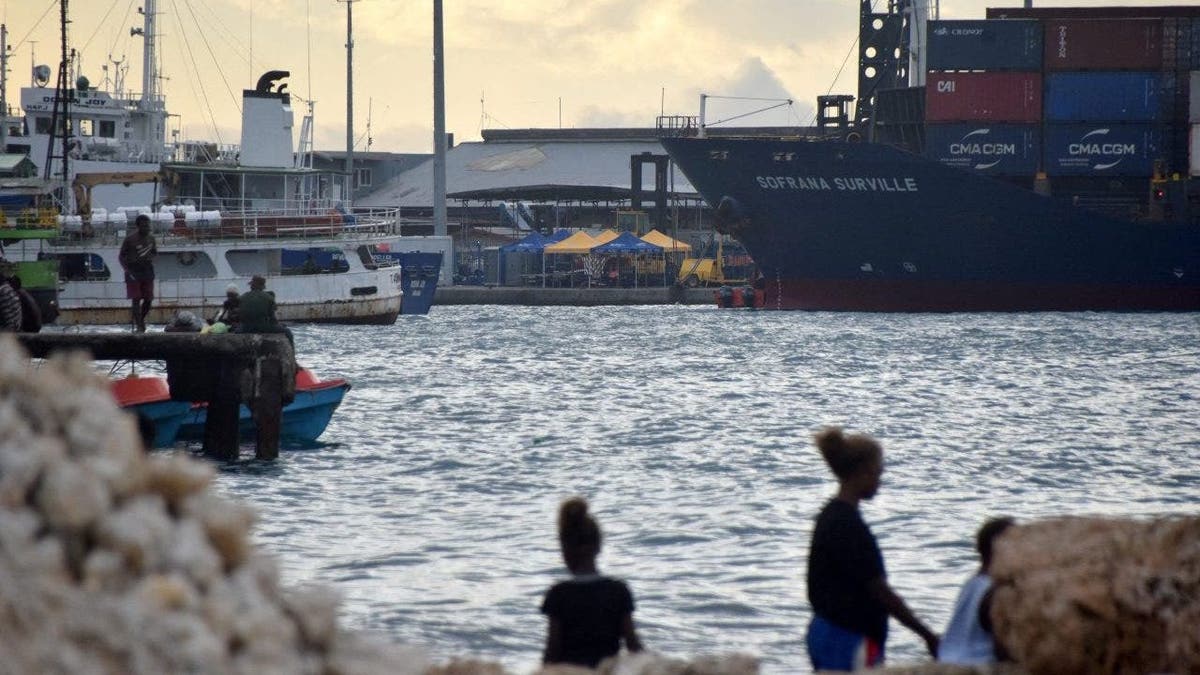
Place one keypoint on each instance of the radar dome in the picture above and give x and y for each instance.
(82, 83)
(41, 75)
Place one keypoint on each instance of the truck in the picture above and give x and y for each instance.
(729, 264)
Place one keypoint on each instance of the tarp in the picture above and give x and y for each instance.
(667, 243)
(558, 236)
(627, 243)
(606, 236)
(532, 243)
(579, 242)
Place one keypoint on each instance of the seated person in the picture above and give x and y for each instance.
(257, 311)
(230, 309)
(184, 322)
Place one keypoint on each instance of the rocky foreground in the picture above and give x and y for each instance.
(114, 561)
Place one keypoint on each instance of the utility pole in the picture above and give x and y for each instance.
(3, 88)
(349, 99)
(439, 124)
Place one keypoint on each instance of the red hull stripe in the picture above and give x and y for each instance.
(855, 295)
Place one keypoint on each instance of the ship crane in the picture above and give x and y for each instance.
(703, 125)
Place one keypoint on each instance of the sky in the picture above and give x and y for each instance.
(509, 63)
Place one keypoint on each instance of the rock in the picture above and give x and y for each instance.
(1090, 595)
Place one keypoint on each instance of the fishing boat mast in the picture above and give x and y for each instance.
(349, 99)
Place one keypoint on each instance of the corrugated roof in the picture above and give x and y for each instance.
(497, 170)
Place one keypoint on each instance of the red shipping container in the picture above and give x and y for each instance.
(976, 96)
(1104, 44)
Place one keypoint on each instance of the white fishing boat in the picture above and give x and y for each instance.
(220, 215)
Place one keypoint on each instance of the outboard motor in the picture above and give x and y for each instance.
(749, 297)
(725, 297)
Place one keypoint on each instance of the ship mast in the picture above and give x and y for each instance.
(60, 117)
(149, 55)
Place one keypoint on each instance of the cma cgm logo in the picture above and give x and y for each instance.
(976, 144)
(1093, 145)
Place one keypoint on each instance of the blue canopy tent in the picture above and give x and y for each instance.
(534, 242)
(558, 236)
(628, 244)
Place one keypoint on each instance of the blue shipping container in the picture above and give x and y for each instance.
(993, 149)
(1001, 44)
(1104, 96)
(1102, 149)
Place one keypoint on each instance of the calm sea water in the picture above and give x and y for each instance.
(431, 504)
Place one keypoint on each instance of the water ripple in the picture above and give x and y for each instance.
(430, 504)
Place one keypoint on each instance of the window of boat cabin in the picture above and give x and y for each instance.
(362, 178)
(82, 267)
(85, 127)
(41, 125)
(108, 129)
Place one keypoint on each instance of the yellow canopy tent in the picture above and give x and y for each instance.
(580, 242)
(606, 236)
(668, 244)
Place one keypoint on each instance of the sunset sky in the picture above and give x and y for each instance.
(509, 63)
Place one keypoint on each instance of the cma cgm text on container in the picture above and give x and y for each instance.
(993, 149)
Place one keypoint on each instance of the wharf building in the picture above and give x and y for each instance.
(515, 181)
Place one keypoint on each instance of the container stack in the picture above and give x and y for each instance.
(983, 96)
(1106, 97)
(1074, 99)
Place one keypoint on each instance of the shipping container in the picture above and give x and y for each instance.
(1104, 44)
(1194, 149)
(984, 45)
(1194, 98)
(1101, 149)
(1104, 96)
(991, 97)
(993, 149)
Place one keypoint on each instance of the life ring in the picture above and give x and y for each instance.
(186, 258)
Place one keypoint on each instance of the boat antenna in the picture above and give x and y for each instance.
(349, 98)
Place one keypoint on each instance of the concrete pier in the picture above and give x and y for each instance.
(222, 370)
(579, 297)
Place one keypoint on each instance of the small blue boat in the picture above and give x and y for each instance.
(304, 419)
(149, 397)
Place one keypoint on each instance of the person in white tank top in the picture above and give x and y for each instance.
(968, 639)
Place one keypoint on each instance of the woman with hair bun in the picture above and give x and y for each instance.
(847, 583)
(589, 613)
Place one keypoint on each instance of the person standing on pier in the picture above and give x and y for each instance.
(847, 583)
(137, 258)
(589, 614)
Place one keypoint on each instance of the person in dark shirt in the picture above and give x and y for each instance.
(589, 613)
(256, 311)
(847, 582)
(137, 258)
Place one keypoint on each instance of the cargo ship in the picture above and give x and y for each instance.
(1040, 159)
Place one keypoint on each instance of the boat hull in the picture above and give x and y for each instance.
(168, 418)
(867, 227)
(304, 419)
